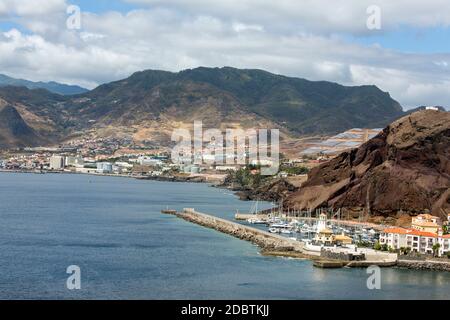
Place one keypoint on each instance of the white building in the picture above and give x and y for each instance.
(227, 168)
(147, 161)
(57, 162)
(74, 161)
(104, 167)
(417, 241)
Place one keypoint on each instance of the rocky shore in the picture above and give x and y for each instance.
(424, 265)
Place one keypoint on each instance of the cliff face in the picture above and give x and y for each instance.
(406, 168)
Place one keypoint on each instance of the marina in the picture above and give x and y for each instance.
(303, 226)
(278, 239)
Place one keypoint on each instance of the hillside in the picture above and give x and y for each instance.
(406, 168)
(55, 87)
(302, 106)
(150, 104)
(14, 131)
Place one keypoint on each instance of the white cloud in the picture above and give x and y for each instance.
(316, 15)
(27, 8)
(283, 37)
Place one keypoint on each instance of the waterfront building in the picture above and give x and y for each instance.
(191, 169)
(74, 161)
(417, 241)
(124, 164)
(426, 223)
(148, 161)
(322, 223)
(104, 167)
(226, 168)
(57, 162)
(325, 236)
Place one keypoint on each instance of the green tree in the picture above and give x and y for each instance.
(435, 248)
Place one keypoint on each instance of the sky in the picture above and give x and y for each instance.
(401, 46)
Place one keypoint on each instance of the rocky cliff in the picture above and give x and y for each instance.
(405, 169)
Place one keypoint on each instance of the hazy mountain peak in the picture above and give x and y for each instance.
(52, 86)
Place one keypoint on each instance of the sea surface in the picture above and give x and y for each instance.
(113, 230)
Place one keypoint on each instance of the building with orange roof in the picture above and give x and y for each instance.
(416, 240)
(426, 223)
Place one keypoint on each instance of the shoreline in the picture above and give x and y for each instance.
(278, 246)
(269, 244)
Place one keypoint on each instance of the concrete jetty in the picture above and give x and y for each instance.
(268, 242)
(277, 245)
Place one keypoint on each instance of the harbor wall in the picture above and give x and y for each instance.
(267, 241)
(274, 244)
(424, 265)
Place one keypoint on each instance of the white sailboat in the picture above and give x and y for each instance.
(254, 211)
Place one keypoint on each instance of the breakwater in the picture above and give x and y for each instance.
(276, 245)
(268, 242)
(424, 265)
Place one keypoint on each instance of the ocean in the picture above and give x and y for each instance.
(112, 229)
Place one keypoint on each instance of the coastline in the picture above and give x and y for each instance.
(269, 244)
(278, 246)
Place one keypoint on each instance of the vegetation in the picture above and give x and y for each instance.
(405, 250)
(435, 248)
(248, 177)
(294, 170)
(364, 244)
(377, 246)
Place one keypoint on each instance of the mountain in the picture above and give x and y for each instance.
(406, 168)
(302, 106)
(150, 104)
(55, 87)
(14, 131)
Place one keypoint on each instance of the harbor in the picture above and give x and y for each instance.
(305, 226)
(278, 244)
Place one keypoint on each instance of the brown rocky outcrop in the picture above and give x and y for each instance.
(405, 169)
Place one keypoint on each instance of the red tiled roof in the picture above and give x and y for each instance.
(396, 230)
(410, 232)
(422, 233)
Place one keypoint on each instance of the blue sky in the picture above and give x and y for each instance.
(410, 39)
(409, 56)
(99, 6)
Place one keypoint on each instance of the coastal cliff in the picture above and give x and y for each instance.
(403, 170)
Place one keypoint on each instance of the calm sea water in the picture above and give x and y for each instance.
(113, 230)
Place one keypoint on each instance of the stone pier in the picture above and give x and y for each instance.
(271, 244)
